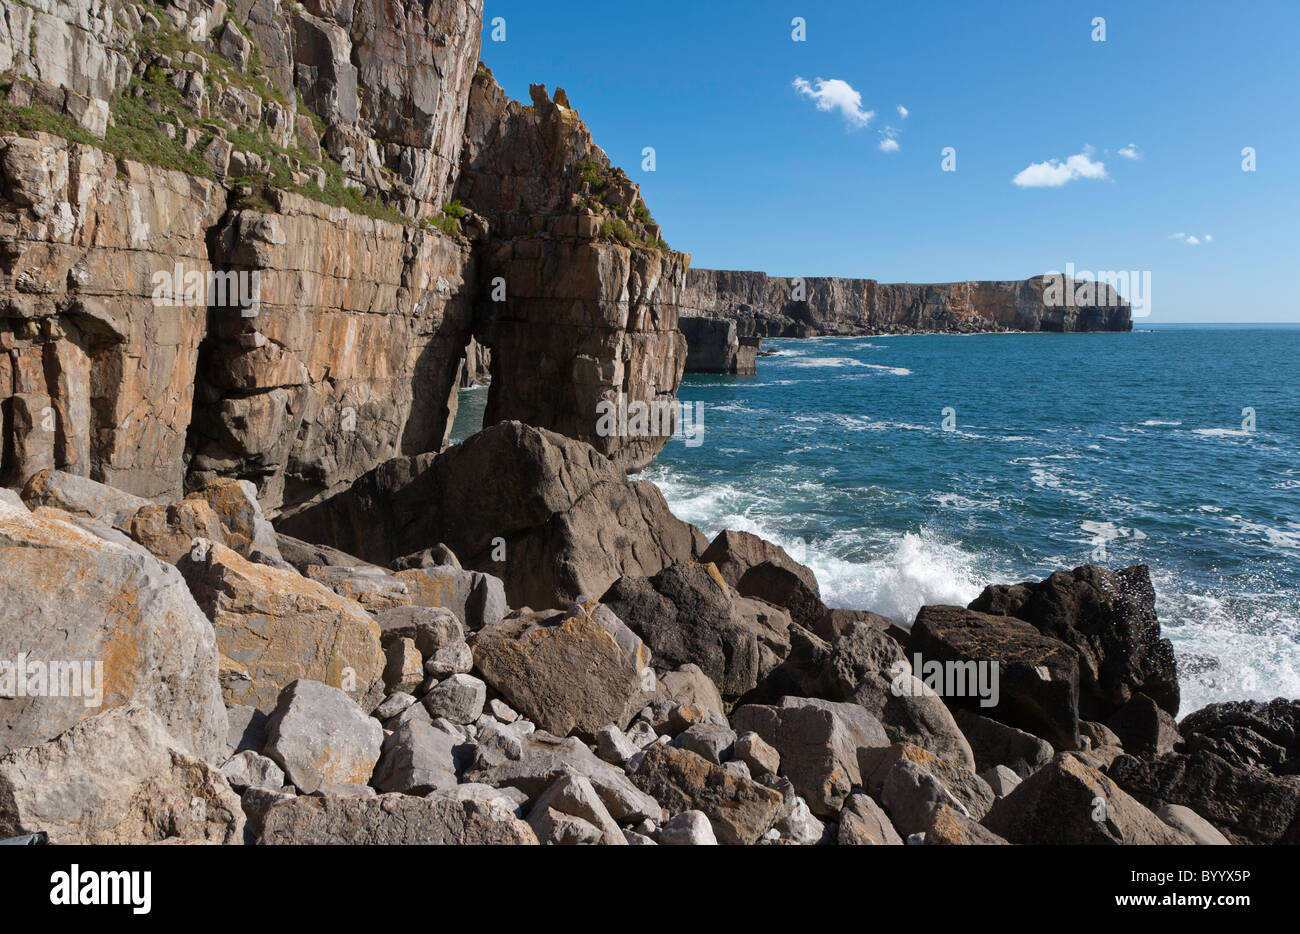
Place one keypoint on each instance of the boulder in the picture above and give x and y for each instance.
(1248, 734)
(533, 762)
(416, 759)
(787, 588)
(246, 530)
(867, 667)
(739, 810)
(443, 818)
(476, 598)
(431, 628)
(459, 699)
(247, 769)
(950, 827)
(550, 516)
(995, 744)
(734, 553)
(1067, 802)
(818, 745)
(689, 685)
(686, 616)
(282, 627)
(1143, 728)
(709, 740)
(864, 823)
(1038, 676)
(911, 782)
(568, 672)
(405, 669)
(79, 604)
(318, 734)
(757, 754)
(1109, 619)
(79, 495)
(1202, 832)
(116, 778)
(301, 555)
(374, 588)
(247, 728)
(1247, 805)
(575, 796)
(689, 828)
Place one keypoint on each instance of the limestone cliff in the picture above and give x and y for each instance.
(358, 174)
(770, 306)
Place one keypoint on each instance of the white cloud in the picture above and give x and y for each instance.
(1208, 238)
(889, 144)
(1130, 151)
(902, 111)
(1054, 172)
(1190, 239)
(834, 94)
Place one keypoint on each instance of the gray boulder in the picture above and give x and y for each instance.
(416, 759)
(318, 734)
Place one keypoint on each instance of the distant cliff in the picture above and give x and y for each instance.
(768, 306)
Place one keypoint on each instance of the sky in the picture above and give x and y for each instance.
(825, 157)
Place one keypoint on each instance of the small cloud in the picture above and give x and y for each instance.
(1130, 151)
(889, 144)
(1177, 236)
(1190, 239)
(1208, 238)
(902, 111)
(1055, 173)
(834, 94)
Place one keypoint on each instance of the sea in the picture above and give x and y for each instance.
(917, 469)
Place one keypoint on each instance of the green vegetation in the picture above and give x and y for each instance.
(591, 172)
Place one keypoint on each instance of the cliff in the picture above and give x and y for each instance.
(397, 226)
(769, 306)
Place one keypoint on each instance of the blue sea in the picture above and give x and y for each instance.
(916, 469)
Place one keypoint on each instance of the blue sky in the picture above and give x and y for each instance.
(751, 174)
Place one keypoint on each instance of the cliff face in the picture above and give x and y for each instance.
(355, 170)
(768, 306)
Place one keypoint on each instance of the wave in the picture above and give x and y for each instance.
(846, 362)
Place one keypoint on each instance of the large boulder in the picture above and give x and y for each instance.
(532, 763)
(568, 672)
(740, 810)
(1248, 734)
(818, 745)
(1248, 805)
(688, 616)
(996, 744)
(119, 777)
(79, 496)
(476, 598)
(865, 666)
(441, 819)
(550, 516)
(416, 759)
(318, 735)
(912, 783)
(1109, 618)
(1067, 802)
(281, 627)
(1037, 682)
(76, 601)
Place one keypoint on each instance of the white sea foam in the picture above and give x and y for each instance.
(1222, 432)
(1151, 422)
(846, 362)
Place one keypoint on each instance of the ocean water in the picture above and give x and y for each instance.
(1059, 449)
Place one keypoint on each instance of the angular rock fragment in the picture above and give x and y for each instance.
(739, 810)
(318, 734)
(116, 778)
(567, 672)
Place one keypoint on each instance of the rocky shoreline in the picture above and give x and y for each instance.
(250, 595)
